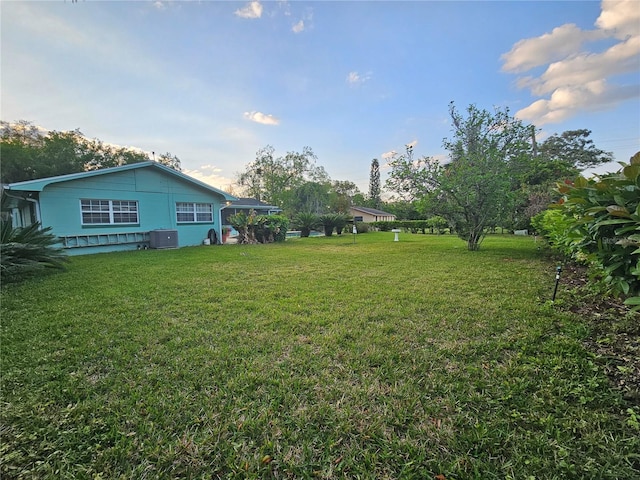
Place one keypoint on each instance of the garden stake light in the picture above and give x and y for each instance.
(555, 290)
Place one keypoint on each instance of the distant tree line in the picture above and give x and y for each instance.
(28, 153)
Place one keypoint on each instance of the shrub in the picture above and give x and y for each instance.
(244, 224)
(328, 221)
(254, 228)
(362, 227)
(305, 222)
(598, 219)
(27, 249)
(556, 227)
(385, 226)
(271, 228)
(437, 223)
(341, 221)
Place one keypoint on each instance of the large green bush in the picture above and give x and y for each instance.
(556, 227)
(599, 221)
(253, 228)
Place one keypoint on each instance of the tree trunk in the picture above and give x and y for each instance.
(473, 242)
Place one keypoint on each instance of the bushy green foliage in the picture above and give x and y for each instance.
(253, 228)
(28, 153)
(27, 249)
(598, 220)
(555, 226)
(435, 224)
(271, 228)
(341, 221)
(329, 222)
(305, 222)
(362, 227)
(385, 226)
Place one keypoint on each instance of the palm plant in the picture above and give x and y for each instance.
(328, 221)
(25, 249)
(341, 221)
(305, 222)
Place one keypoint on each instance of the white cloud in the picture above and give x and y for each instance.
(412, 144)
(251, 10)
(532, 52)
(620, 18)
(263, 118)
(354, 78)
(566, 101)
(298, 27)
(389, 155)
(576, 80)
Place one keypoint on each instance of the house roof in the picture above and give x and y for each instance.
(39, 184)
(252, 203)
(372, 211)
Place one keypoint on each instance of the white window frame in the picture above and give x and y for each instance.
(194, 212)
(113, 209)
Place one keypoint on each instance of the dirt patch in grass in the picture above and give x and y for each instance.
(614, 333)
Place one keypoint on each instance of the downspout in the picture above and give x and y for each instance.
(37, 203)
(220, 222)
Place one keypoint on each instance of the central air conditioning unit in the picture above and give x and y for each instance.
(163, 239)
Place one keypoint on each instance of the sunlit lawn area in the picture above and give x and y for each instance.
(317, 358)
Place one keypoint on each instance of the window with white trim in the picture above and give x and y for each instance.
(194, 212)
(109, 212)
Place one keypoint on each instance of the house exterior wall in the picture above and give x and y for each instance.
(156, 193)
(368, 218)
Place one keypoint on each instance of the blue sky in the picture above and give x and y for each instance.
(213, 82)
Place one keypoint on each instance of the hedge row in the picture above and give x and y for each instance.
(433, 225)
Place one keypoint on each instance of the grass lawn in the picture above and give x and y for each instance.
(317, 358)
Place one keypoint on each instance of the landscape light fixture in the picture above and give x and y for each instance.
(555, 290)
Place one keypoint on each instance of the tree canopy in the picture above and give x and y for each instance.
(473, 190)
(276, 179)
(29, 153)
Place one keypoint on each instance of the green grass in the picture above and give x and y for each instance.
(317, 358)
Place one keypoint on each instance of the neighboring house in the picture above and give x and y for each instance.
(133, 206)
(246, 205)
(368, 215)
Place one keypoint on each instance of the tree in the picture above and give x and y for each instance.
(474, 190)
(29, 153)
(573, 148)
(343, 195)
(374, 184)
(273, 179)
(558, 158)
(411, 179)
(171, 161)
(309, 197)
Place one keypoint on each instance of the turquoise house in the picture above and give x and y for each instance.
(136, 206)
